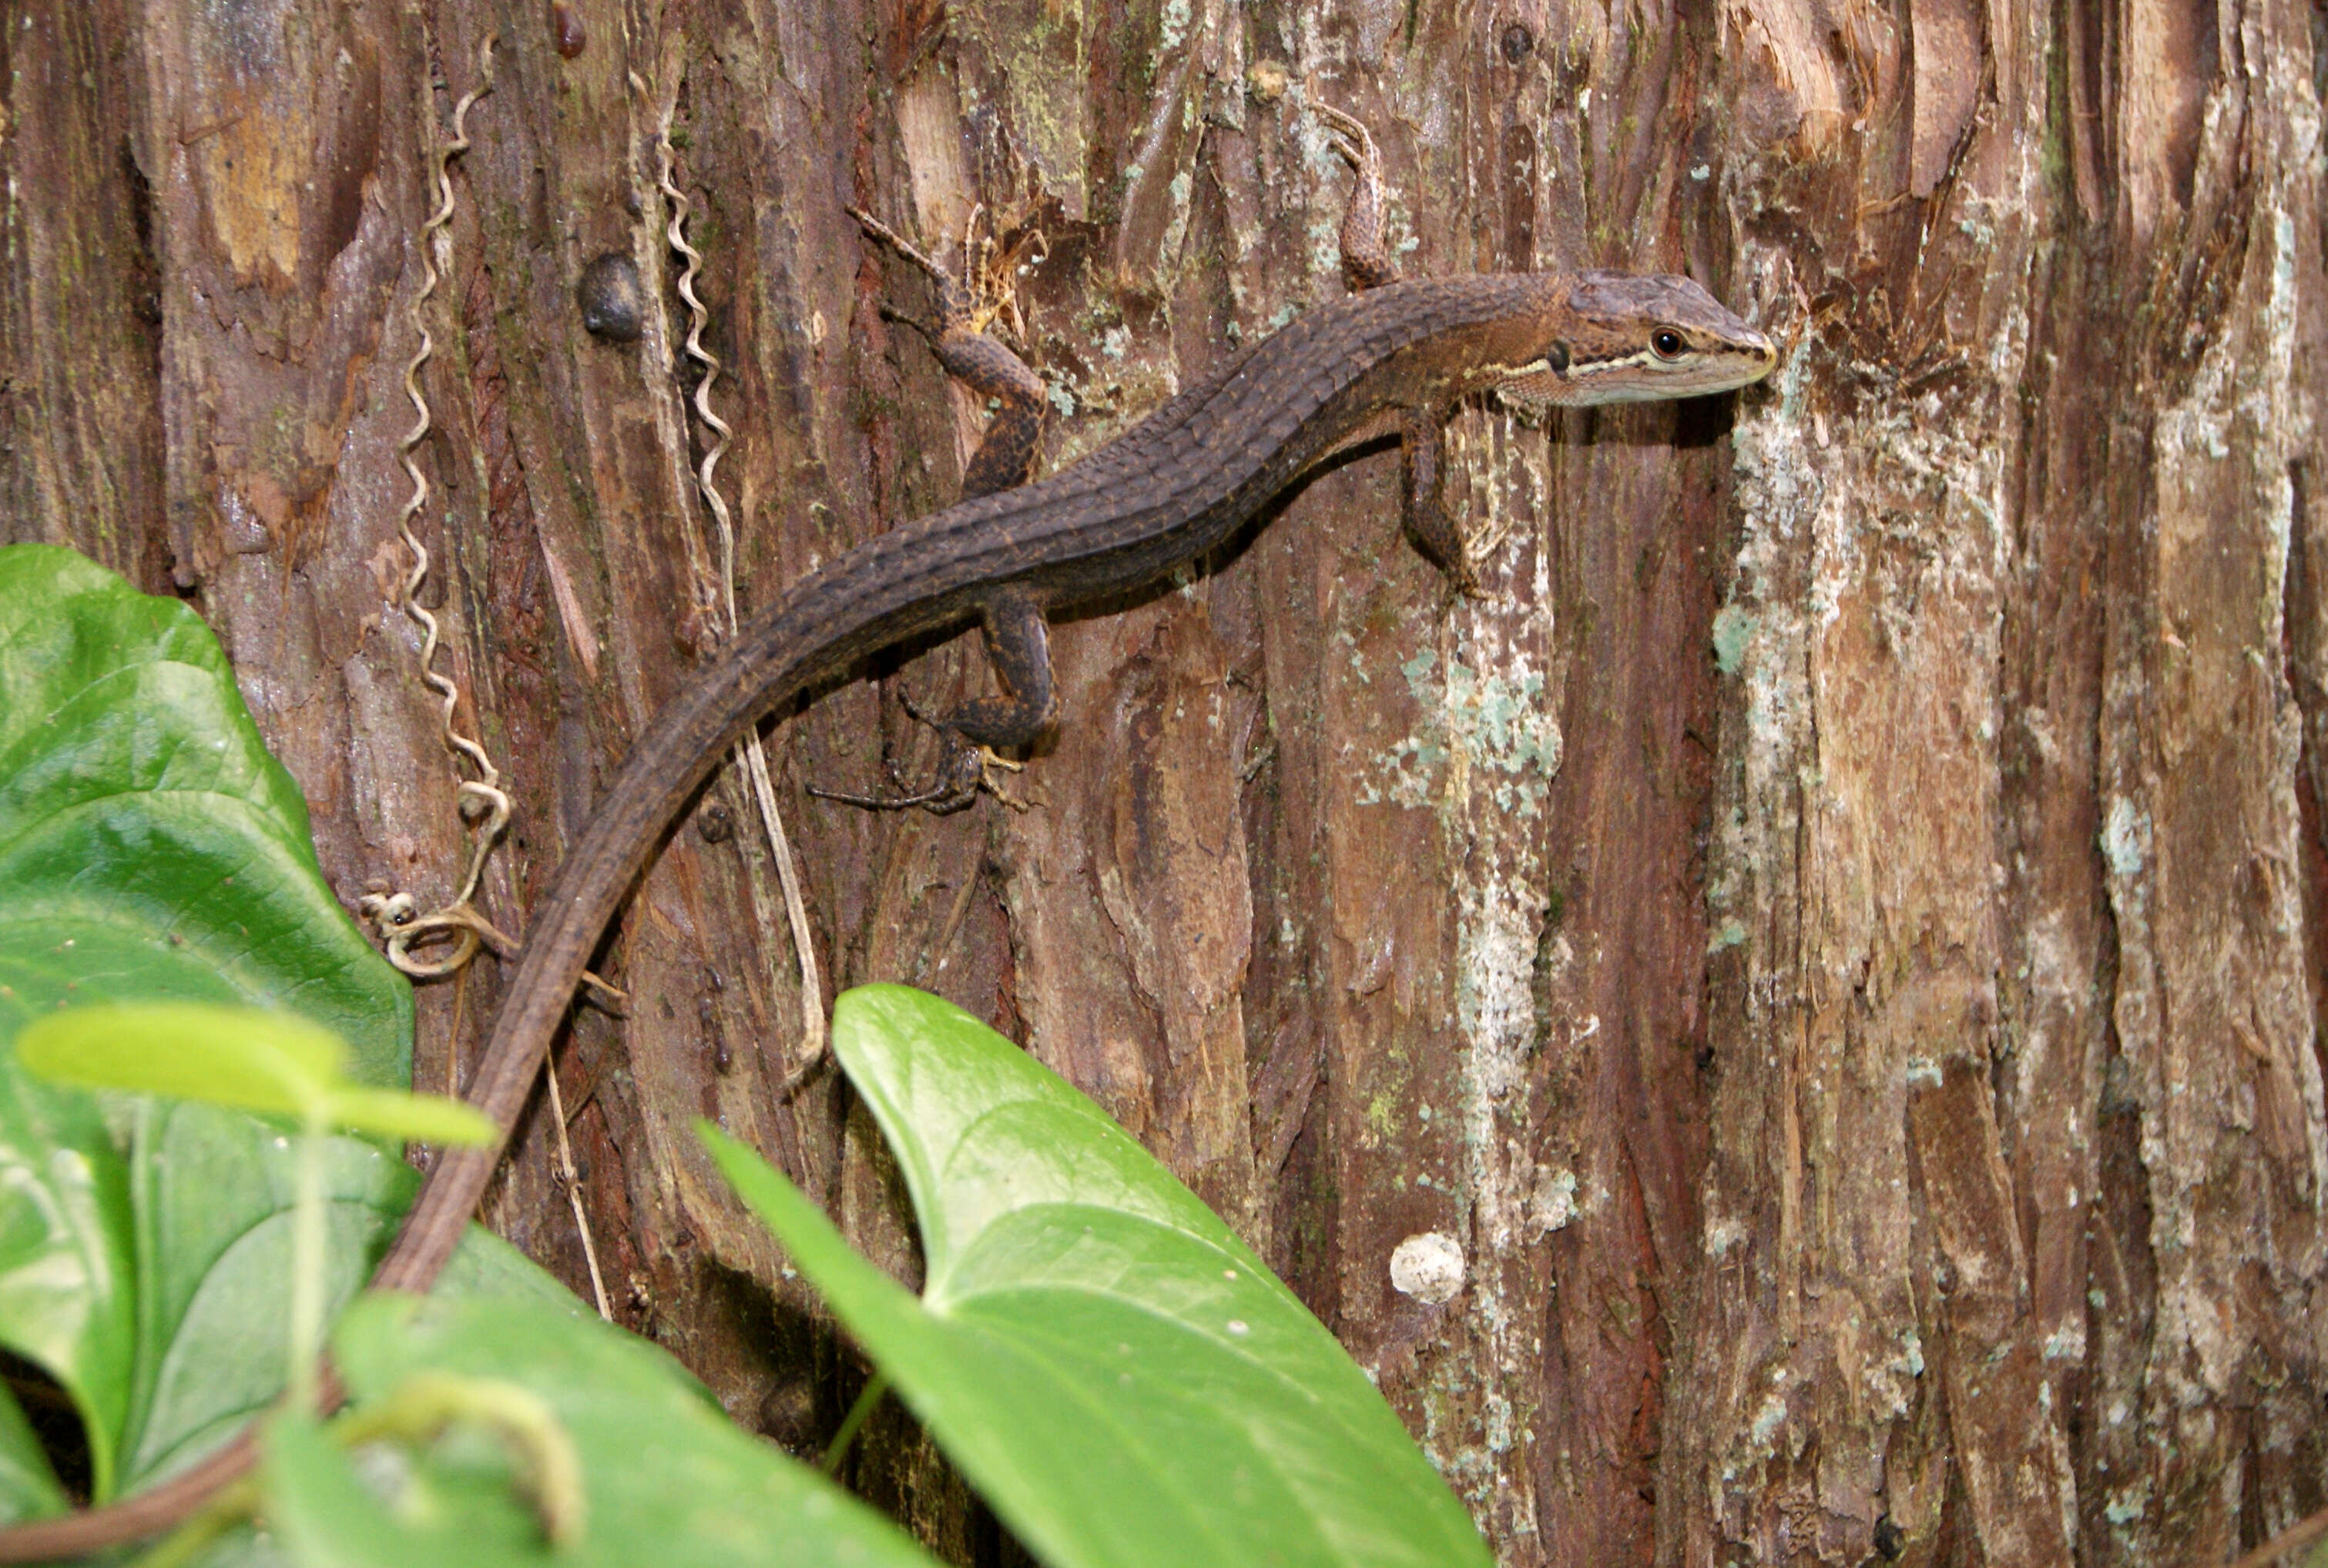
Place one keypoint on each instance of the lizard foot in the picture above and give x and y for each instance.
(1350, 137)
(986, 287)
(964, 775)
(1365, 263)
(965, 769)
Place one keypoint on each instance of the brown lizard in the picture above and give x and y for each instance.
(1393, 358)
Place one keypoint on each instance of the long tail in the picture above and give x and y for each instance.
(815, 632)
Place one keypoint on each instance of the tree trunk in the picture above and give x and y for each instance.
(1833, 940)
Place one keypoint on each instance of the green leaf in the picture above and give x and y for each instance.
(248, 1058)
(152, 1289)
(1116, 1372)
(68, 1290)
(28, 1487)
(220, 1234)
(666, 1478)
(273, 1063)
(214, 1192)
(150, 849)
(484, 1267)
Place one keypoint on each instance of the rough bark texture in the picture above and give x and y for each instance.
(1834, 939)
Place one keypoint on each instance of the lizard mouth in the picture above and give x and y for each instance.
(1562, 382)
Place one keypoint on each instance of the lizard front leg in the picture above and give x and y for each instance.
(1421, 447)
(1005, 458)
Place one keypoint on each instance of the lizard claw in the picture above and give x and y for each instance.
(965, 769)
(897, 242)
(984, 288)
(1349, 135)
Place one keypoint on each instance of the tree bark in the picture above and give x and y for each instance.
(1834, 939)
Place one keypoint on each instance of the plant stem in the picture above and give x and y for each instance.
(307, 1267)
(873, 1388)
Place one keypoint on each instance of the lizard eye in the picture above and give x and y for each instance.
(1667, 343)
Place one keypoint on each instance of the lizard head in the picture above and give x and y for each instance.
(1621, 339)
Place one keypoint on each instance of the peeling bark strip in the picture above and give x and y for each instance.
(1785, 1035)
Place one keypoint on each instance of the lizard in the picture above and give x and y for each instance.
(1392, 356)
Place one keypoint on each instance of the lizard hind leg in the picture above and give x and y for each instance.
(1365, 263)
(1005, 458)
(1016, 642)
(1018, 647)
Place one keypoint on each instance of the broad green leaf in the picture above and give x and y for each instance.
(225, 1364)
(1116, 1372)
(151, 851)
(28, 1487)
(668, 1478)
(213, 1191)
(217, 1232)
(248, 1058)
(68, 1291)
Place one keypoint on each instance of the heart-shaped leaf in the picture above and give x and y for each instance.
(151, 850)
(666, 1478)
(1115, 1371)
(214, 1192)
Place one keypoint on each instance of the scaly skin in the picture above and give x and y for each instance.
(1396, 356)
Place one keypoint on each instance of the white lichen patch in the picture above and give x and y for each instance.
(1173, 30)
(1495, 993)
(1496, 722)
(2067, 1343)
(2126, 837)
(1723, 1234)
(1428, 1266)
(1733, 627)
(1553, 1204)
(1179, 190)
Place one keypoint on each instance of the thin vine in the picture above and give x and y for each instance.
(483, 803)
(749, 751)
